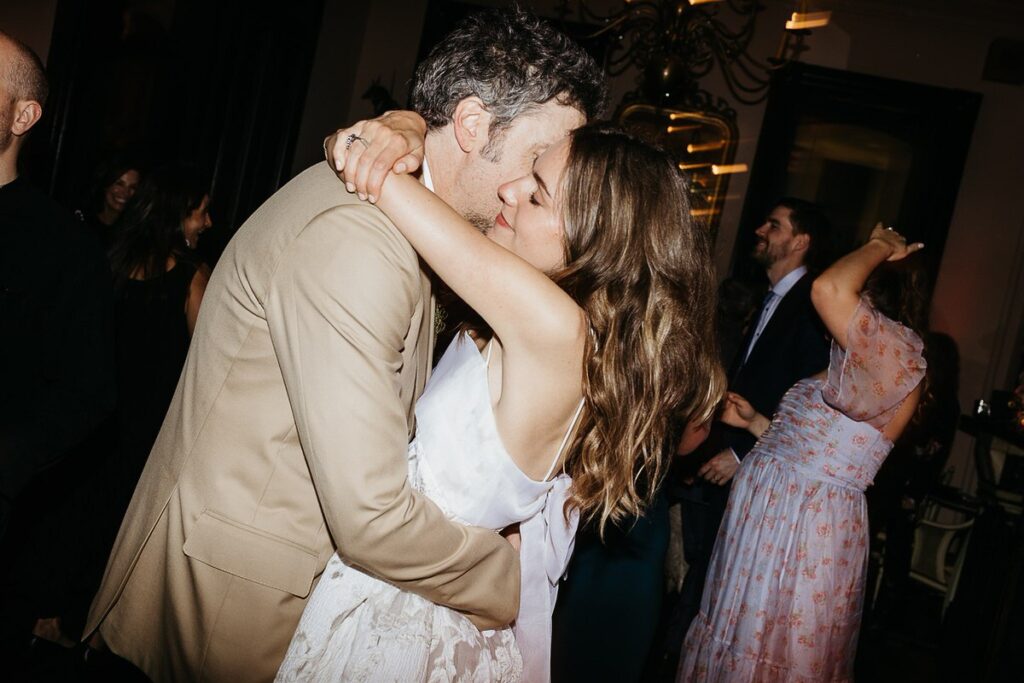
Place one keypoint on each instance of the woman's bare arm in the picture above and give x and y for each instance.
(196, 289)
(524, 306)
(836, 292)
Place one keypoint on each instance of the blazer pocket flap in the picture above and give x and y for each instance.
(252, 554)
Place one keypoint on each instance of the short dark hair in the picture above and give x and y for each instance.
(809, 219)
(25, 74)
(513, 62)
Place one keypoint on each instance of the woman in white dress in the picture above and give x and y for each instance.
(598, 288)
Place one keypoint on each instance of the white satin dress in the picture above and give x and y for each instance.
(359, 628)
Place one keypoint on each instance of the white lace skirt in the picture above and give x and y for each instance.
(358, 628)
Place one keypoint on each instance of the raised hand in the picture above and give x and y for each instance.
(737, 411)
(363, 154)
(895, 242)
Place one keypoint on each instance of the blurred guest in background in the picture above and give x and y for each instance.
(159, 283)
(784, 342)
(56, 363)
(786, 580)
(915, 467)
(737, 303)
(114, 183)
(610, 601)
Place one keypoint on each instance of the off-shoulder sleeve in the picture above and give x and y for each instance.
(881, 366)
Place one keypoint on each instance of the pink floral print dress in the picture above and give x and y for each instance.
(785, 585)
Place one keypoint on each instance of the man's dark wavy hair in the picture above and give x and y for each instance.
(514, 62)
(809, 219)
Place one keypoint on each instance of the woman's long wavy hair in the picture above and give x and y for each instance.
(150, 229)
(640, 267)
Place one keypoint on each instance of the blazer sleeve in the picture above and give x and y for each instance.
(339, 308)
(810, 352)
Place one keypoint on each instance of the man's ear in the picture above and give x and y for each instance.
(26, 114)
(801, 242)
(471, 122)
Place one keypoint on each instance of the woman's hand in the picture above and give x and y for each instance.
(391, 142)
(737, 412)
(895, 242)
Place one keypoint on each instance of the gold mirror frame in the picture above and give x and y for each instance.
(703, 144)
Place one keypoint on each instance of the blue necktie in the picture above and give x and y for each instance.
(761, 323)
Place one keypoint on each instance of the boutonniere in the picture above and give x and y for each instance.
(440, 318)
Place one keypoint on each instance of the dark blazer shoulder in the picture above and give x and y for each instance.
(793, 345)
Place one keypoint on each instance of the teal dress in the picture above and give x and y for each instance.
(610, 601)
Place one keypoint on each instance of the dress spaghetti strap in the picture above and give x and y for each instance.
(487, 358)
(565, 440)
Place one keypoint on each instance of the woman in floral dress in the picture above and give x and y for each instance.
(786, 582)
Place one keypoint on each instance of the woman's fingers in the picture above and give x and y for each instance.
(896, 242)
(334, 149)
(385, 147)
(363, 154)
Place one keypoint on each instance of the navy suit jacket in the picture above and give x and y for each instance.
(793, 345)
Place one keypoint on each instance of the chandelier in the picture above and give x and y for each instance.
(673, 44)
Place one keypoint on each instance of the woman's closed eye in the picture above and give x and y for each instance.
(533, 199)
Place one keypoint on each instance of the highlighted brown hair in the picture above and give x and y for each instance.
(640, 267)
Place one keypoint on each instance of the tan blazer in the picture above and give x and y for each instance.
(285, 440)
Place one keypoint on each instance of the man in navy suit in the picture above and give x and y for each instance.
(785, 342)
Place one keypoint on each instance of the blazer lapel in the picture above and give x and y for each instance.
(780, 319)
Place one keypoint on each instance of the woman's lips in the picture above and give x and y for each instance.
(501, 222)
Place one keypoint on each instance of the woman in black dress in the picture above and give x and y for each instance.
(159, 284)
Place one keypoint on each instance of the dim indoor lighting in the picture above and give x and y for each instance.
(704, 146)
(702, 2)
(703, 213)
(728, 168)
(693, 167)
(680, 129)
(804, 20)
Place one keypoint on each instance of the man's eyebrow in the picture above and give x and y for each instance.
(541, 184)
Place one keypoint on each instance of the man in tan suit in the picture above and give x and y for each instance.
(286, 439)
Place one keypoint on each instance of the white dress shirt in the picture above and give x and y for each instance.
(428, 182)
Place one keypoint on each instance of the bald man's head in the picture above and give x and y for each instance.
(22, 71)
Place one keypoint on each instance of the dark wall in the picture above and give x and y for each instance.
(217, 84)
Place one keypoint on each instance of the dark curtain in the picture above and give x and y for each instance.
(219, 84)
